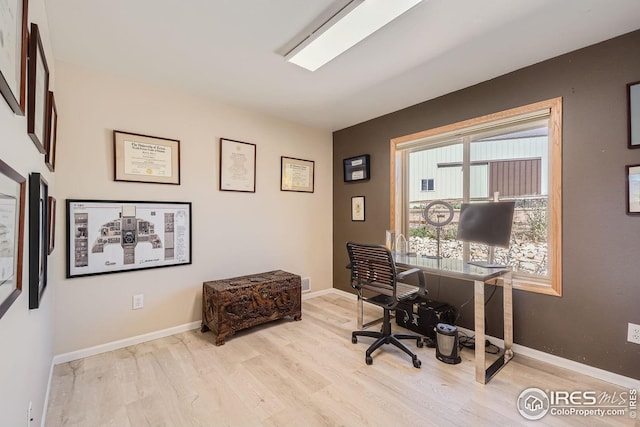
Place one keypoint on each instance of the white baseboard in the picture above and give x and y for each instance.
(115, 345)
(46, 396)
(560, 362)
(314, 294)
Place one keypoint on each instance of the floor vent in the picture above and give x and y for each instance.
(306, 284)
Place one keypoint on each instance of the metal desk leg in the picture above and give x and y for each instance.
(360, 312)
(508, 316)
(478, 300)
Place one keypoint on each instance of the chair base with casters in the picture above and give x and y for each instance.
(385, 336)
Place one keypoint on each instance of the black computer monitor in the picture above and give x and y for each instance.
(488, 223)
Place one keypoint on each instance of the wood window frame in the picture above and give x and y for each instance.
(552, 285)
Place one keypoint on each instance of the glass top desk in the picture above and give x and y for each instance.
(458, 269)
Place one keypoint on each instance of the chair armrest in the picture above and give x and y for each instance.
(406, 273)
(348, 266)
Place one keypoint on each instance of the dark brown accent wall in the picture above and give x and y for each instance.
(601, 245)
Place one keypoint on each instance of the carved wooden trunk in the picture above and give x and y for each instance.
(230, 305)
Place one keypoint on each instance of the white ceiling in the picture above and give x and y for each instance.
(227, 49)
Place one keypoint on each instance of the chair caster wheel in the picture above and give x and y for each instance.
(369, 360)
(354, 340)
(420, 344)
(417, 363)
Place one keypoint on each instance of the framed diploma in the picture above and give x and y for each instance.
(633, 107)
(38, 91)
(143, 158)
(51, 224)
(237, 166)
(13, 53)
(296, 175)
(12, 208)
(356, 168)
(110, 236)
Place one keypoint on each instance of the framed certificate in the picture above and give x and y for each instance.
(633, 189)
(357, 208)
(296, 174)
(356, 168)
(13, 53)
(38, 91)
(237, 166)
(143, 158)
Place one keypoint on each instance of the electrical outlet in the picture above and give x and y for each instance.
(138, 301)
(633, 335)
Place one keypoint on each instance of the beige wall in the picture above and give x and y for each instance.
(25, 335)
(233, 233)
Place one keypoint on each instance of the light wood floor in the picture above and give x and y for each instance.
(305, 373)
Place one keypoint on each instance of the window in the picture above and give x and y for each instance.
(427, 184)
(511, 155)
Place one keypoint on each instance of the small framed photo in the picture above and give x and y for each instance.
(237, 166)
(38, 91)
(144, 158)
(12, 208)
(357, 168)
(296, 174)
(633, 105)
(52, 131)
(51, 224)
(38, 238)
(633, 189)
(357, 208)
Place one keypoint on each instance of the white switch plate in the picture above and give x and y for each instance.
(138, 301)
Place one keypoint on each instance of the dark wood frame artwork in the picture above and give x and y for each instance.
(628, 187)
(119, 172)
(37, 51)
(17, 101)
(21, 182)
(51, 224)
(79, 230)
(294, 188)
(227, 187)
(52, 133)
(630, 114)
(363, 166)
(38, 238)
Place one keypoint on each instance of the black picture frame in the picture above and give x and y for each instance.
(12, 205)
(357, 168)
(357, 209)
(113, 236)
(145, 158)
(13, 79)
(633, 114)
(38, 238)
(51, 224)
(237, 166)
(38, 91)
(633, 189)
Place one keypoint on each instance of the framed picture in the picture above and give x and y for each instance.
(296, 174)
(12, 190)
(51, 224)
(38, 91)
(357, 208)
(52, 132)
(14, 38)
(633, 189)
(633, 105)
(237, 166)
(38, 238)
(105, 236)
(143, 158)
(356, 168)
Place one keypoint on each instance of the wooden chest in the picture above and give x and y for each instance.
(230, 305)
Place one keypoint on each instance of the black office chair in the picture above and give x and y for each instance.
(373, 270)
